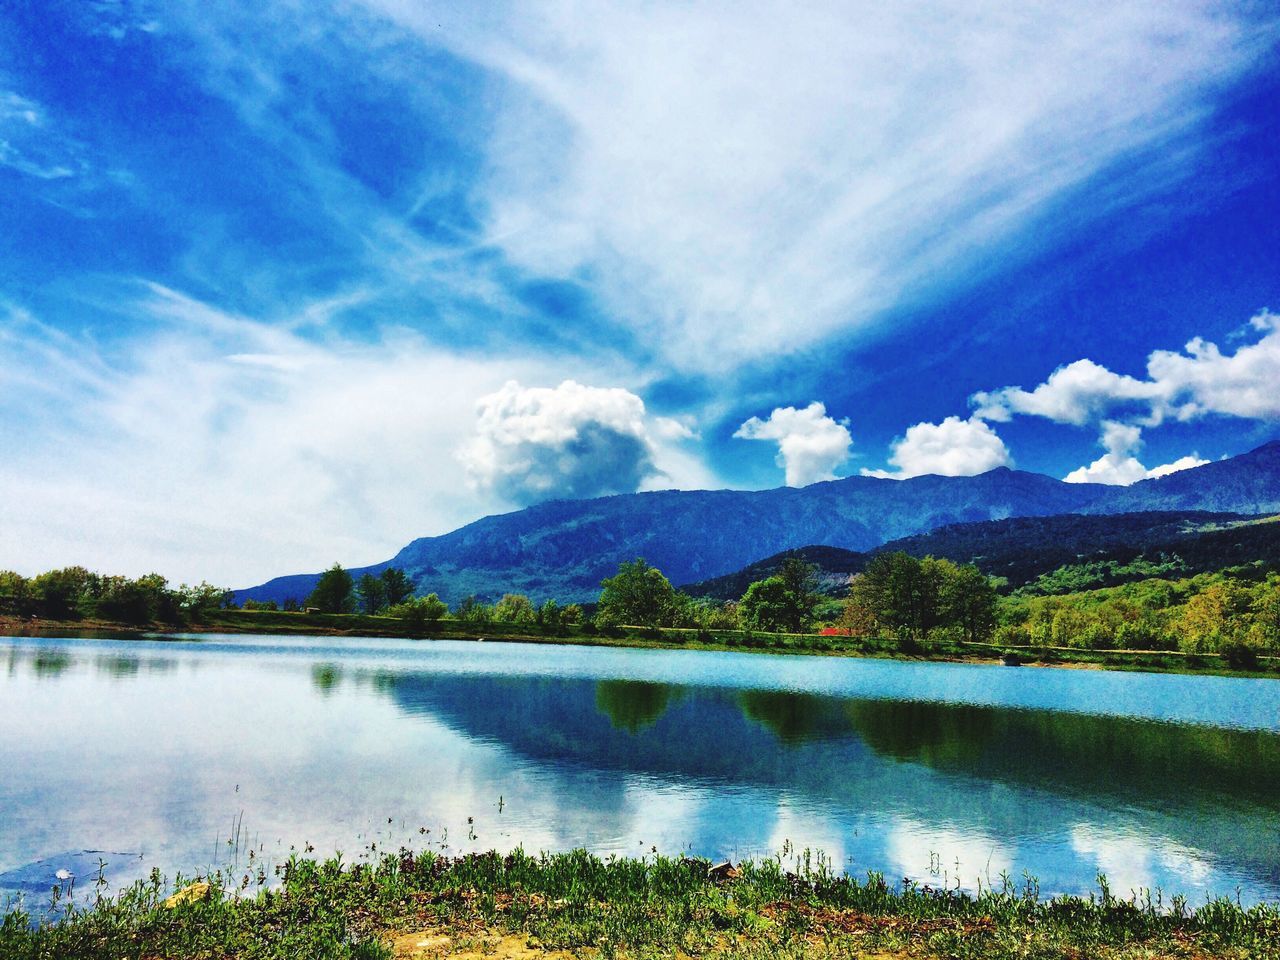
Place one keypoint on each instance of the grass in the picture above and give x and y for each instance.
(650, 907)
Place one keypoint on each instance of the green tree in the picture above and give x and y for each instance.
(199, 600)
(398, 586)
(550, 615)
(766, 605)
(1209, 619)
(1267, 612)
(637, 595)
(372, 591)
(15, 593)
(334, 592)
(470, 610)
(891, 587)
(515, 608)
(59, 593)
(970, 602)
(787, 604)
(139, 601)
(420, 612)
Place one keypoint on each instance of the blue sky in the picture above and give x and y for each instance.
(282, 283)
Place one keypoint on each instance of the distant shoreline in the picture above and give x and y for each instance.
(282, 623)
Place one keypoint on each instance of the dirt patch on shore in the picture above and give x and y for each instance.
(491, 945)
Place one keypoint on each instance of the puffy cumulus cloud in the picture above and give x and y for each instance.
(1203, 380)
(1198, 381)
(811, 445)
(1120, 466)
(952, 448)
(1077, 393)
(570, 441)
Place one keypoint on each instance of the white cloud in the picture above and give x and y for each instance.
(29, 146)
(811, 445)
(1077, 393)
(570, 441)
(1120, 466)
(757, 177)
(1182, 463)
(1198, 382)
(952, 448)
(1203, 380)
(213, 446)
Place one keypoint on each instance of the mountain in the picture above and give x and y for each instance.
(1247, 483)
(833, 566)
(1084, 550)
(563, 548)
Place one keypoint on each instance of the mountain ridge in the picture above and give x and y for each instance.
(1024, 550)
(563, 548)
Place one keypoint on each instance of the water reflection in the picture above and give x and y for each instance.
(325, 676)
(972, 772)
(632, 705)
(793, 717)
(50, 663)
(158, 746)
(118, 666)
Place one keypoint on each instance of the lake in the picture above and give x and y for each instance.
(188, 751)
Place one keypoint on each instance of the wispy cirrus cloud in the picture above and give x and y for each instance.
(29, 146)
(757, 181)
(213, 445)
(378, 211)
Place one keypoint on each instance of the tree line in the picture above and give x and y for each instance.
(899, 596)
(75, 593)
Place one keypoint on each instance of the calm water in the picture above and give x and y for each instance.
(164, 752)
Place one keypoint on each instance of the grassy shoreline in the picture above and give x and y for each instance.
(574, 904)
(337, 625)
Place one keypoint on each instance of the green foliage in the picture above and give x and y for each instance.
(397, 586)
(638, 595)
(470, 610)
(334, 592)
(912, 598)
(765, 605)
(372, 591)
(72, 593)
(784, 601)
(1235, 614)
(15, 594)
(420, 612)
(60, 593)
(515, 608)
